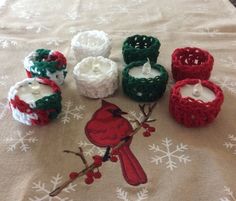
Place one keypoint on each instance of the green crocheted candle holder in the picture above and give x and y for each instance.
(140, 47)
(144, 89)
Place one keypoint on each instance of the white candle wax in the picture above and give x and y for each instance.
(145, 71)
(96, 77)
(93, 69)
(32, 91)
(197, 92)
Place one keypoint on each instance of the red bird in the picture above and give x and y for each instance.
(106, 129)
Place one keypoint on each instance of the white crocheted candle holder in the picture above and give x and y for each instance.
(96, 77)
(91, 43)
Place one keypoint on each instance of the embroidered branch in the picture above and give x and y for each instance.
(147, 110)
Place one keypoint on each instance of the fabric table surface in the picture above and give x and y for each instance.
(182, 164)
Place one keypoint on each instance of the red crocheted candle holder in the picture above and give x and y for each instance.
(191, 112)
(191, 62)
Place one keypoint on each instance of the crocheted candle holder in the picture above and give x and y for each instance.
(193, 112)
(96, 77)
(139, 48)
(91, 43)
(35, 101)
(144, 89)
(191, 62)
(47, 64)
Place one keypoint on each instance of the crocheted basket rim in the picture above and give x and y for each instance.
(178, 64)
(106, 40)
(13, 90)
(206, 83)
(128, 46)
(79, 75)
(31, 59)
(138, 64)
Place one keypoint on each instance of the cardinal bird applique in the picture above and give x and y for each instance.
(107, 128)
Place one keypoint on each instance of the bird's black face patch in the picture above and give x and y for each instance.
(115, 112)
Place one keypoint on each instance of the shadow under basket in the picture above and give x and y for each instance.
(139, 48)
(144, 89)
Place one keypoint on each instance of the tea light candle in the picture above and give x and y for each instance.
(144, 81)
(35, 101)
(191, 62)
(45, 63)
(195, 102)
(96, 77)
(139, 48)
(91, 43)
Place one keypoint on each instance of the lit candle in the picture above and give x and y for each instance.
(35, 101)
(96, 77)
(139, 48)
(48, 64)
(91, 43)
(191, 62)
(195, 102)
(144, 81)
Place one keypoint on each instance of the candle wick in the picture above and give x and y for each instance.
(146, 70)
(96, 68)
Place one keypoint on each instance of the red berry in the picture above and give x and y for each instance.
(113, 158)
(146, 134)
(97, 160)
(97, 175)
(89, 173)
(151, 129)
(73, 175)
(89, 180)
(115, 152)
(145, 125)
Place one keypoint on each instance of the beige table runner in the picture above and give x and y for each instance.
(182, 164)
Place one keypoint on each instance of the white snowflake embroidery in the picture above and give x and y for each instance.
(43, 192)
(226, 83)
(37, 28)
(123, 195)
(73, 30)
(3, 109)
(210, 32)
(120, 9)
(24, 11)
(228, 62)
(90, 149)
(231, 144)
(5, 43)
(69, 112)
(21, 141)
(54, 42)
(3, 80)
(168, 154)
(229, 195)
(72, 15)
(103, 20)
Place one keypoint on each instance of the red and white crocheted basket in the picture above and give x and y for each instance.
(191, 62)
(191, 112)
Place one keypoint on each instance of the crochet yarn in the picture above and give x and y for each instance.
(39, 112)
(191, 62)
(48, 64)
(91, 43)
(139, 48)
(191, 112)
(144, 89)
(96, 81)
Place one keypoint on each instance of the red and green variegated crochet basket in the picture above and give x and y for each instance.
(38, 112)
(48, 64)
